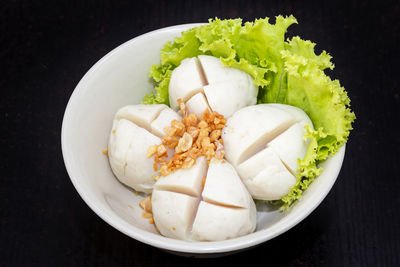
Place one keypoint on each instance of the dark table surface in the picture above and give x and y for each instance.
(46, 48)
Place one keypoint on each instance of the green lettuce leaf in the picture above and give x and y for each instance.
(286, 71)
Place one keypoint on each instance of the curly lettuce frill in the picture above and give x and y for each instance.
(287, 72)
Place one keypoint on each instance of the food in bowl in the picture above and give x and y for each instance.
(222, 208)
(203, 82)
(285, 72)
(135, 128)
(264, 142)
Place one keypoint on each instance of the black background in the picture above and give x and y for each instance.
(46, 48)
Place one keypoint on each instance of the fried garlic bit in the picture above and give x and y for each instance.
(145, 204)
(190, 139)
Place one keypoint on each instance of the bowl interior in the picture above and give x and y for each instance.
(121, 78)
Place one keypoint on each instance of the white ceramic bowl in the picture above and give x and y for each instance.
(121, 78)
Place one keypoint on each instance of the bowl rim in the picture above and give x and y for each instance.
(159, 241)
